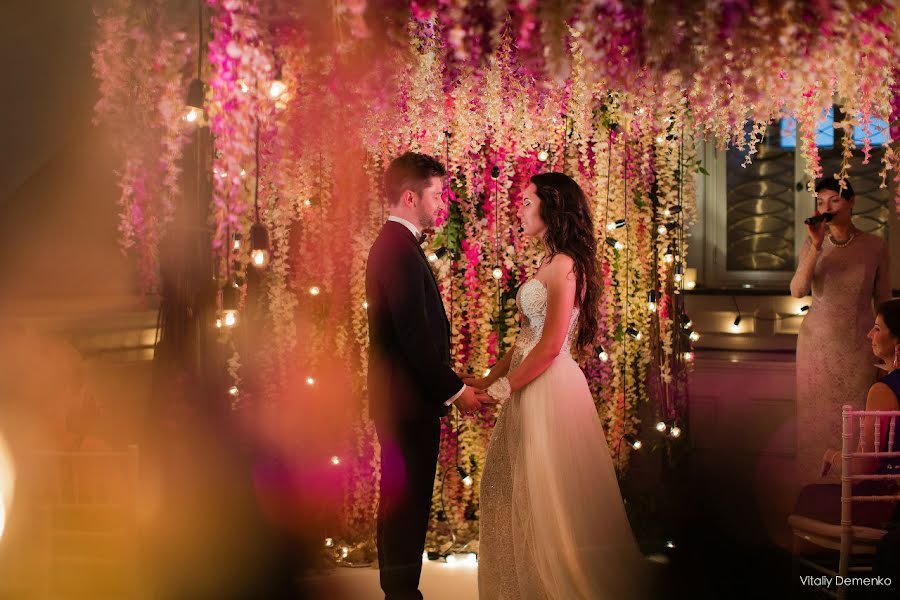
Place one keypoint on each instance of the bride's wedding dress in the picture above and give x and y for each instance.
(552, 520)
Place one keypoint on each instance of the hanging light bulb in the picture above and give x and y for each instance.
(335, 460)
(675, 432)
(679, 272)
(497, 273)
(661, 426)
(651, 300)
(277, 87)
(614, 243)
(619, 224)
(259, 245)
(365, 305)
(602, 355)
(632, 441)
(432, 257)
(803, 310)
(329, 542)
(487, 372)
(495, 172)
(633, 332)
(310, 381)
(230, 301)
(218, 323)
(543, 155)
(194, 105)
(695, 337)
(345, 552)
(669, 258)
(686, 322)
(736, 326)
(661, 230)
(233, 390)
(314, 291)
(689, 357)
(674, 210)
(465, 477)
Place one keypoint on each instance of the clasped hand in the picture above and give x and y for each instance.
(474, 396)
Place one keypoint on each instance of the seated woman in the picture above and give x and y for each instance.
(823, 501)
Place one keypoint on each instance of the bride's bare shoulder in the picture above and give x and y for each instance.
(560, 267)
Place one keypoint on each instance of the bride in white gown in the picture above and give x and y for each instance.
(553, 524)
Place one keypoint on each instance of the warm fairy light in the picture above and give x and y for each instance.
(233, 390)
(345, 552)
(259, 257)
(497, 273)
(230, 318)
(695, 336)
(276, 89)
(670, 544)
(675, 432)
(677, 277)
(432, 257)
(310, 381)
(619, 224)
(604, 357)
(335, 460)
(365, 305)
(689, 356)
(193, 114)
(651, 306)
(669, 258)
(307, 202)
(661, 230)
(543, 156)
(314, 291)
(218, 323)
(329, 542)
(468, 481)
(487, 372)
(661, 426)
(244, 87)
(237, 244)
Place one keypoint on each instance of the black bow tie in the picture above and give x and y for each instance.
(421, 239)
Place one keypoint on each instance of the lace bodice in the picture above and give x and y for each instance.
(532, 303)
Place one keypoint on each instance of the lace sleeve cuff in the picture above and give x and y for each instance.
(499, 390)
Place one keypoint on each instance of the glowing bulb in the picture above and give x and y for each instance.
(689, 356)
(661, 426)
(314, 291)
(543, 155)
(468, 481)
(695, 336)
(329, 543)
(618, 224)
(218, 323)
(497, 273)
(651, 306)
(310, 381)
(660, 139)
(604, 357)
(667, 213)
(675, 432)
(432, 257)
(230, 318)
(670, 545)
(802, 310)
(487, 372)
(307, 202)
(669, 258)
(259, 257)
(192, 115)
(632, 441)
(345, 552)
(365, 305)
(678, 277)
(690, 284)
(243, 173)
(237, 244)
(233, 390)
(244, 87)
(661, 230)
(277, 89)
(335, 460)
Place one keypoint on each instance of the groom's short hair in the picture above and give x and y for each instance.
(410, 171)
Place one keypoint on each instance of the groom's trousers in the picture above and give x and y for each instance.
(409, 452)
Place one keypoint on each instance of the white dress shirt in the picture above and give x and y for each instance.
(415, 231)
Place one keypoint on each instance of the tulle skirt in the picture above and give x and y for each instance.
(553, 524)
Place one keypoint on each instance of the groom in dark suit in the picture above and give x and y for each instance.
(411, 383)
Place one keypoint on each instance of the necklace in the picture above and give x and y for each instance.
(843, 244)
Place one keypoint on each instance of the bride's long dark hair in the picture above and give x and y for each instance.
(570, 230)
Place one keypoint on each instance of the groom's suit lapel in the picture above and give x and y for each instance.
(407, 234)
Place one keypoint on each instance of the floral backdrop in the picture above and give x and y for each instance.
(307, 104)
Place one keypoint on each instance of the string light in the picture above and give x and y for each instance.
(194, 103)
(314, 291)
(661, 426)
(365, 305)
(619, 224)
(675, 432)
(345, 552)
(233, 390)
(335, 460)
(310, 381)
(218, 323)
(736, 326)
(277, 87)
(307, 202)
(487, 372)
(497, 273)
(614, 243)
(686, 322)
(465, 477)
(230, 298)
(695, 337)
(543, 155)
(602, 355)
(329, 542)
(432, 257)
(651, 300)
(230, 318)
(802, 310)
(633, 332)
(661, 230)
(259, 245)
(689, 356)
(670, 544)
(669, 258)
(632, 441)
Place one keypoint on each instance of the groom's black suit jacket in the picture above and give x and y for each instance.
(409, 335)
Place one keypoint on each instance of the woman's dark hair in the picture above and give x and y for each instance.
(830, 183)
(570, 231)
(890, 312)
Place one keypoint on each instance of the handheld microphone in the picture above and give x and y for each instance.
(827, 216)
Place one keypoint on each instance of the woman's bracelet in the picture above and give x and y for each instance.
(499, 390)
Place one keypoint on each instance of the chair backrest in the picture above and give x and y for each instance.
(88, 501)
(884, 447)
